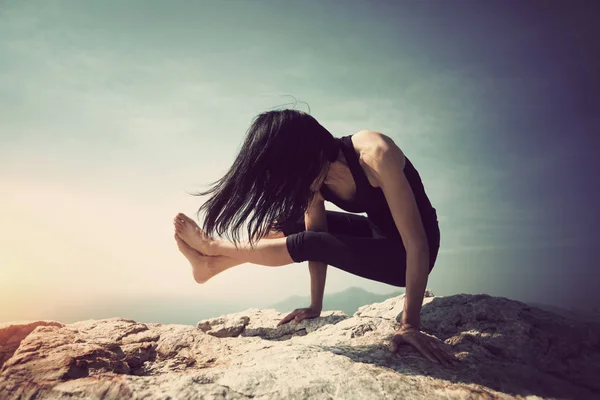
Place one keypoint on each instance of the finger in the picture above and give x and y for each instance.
(395, 343)
(442, 354)
(439, 352)
(393, 346)
(288, 318)
(449, 356)
(431, 354)
(436, 350)
(427, 351)
(452, 359)
(443, 357)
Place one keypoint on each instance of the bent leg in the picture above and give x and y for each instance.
(273, 251)
(347, 245)
(381, 260)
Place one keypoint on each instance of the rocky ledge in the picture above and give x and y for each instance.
(508, 350)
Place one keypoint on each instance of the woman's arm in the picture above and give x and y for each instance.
(315, 219)
(388, 161)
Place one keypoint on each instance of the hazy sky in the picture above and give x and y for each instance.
(112, 112)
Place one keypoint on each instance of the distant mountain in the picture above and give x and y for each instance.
(348, 300)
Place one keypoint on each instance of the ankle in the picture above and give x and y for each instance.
(214, 248)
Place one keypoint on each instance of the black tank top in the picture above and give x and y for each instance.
(371, 200)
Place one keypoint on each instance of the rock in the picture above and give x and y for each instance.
(263, 323)
(508, 350)
(11, 336)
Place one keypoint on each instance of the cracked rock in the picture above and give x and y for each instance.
(509, 350)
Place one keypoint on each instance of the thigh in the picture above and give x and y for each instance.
(337, 223)
(382, 260)
(379, 259)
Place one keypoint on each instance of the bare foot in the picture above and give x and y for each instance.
(190, 232)
(204, 267)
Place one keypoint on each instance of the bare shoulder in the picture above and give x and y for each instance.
(372, 146)
(373, 143)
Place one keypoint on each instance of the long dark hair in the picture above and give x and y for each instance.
(283, 153)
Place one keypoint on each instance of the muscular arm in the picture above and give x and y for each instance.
(388, 161)
(315, 219)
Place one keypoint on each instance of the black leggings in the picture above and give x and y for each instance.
(351, 245)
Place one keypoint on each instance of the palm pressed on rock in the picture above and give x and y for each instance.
(429, 346)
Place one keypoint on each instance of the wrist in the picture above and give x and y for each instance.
(317, 307)
(404, 325)
(410, 318)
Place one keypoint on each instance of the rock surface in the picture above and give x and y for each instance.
(508, 350)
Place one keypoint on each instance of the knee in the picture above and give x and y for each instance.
(305, 246)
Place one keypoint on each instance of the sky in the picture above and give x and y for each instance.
(112, 113)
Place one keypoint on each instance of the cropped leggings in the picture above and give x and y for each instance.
(351, 245)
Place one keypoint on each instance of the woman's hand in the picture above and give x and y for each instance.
(428, 346)
(301, 313)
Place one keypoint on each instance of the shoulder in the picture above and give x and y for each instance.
(373, 143)
(372, 137)
(377, 150)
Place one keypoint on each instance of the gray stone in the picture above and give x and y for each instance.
(508, 350)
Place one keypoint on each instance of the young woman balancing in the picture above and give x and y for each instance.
(287, 167)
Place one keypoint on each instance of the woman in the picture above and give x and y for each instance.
(287, 167)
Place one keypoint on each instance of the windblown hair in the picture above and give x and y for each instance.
(283, 153)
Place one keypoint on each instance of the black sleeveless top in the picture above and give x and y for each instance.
(371, 200)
